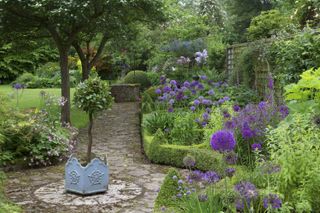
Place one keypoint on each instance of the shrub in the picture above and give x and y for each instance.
(295, 146)
(137, 77)
(25, 79)
(154, 78)
(168, 190)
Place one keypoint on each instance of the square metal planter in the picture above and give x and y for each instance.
(91, 179)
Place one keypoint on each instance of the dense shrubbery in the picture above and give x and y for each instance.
(34, 138)
(137, 77)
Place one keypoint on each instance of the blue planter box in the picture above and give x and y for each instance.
(91, 179)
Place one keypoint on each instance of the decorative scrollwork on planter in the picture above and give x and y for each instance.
(74, 177)
(96, 177)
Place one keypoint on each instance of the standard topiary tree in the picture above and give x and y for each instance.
(92, 96)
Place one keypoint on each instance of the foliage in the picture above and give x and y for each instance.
(294, 146)
(154, 78)
(184, 130)
(290, 57)
(93, 96)
(167, 190)
(158, 120)
(158, 151)
(307, 88)
(267, 24)
(35, 138)
(137, 77)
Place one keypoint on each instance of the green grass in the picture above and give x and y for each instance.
(30, 98)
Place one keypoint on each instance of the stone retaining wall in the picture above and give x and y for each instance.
(125, 92)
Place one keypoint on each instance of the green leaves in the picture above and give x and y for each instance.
(93, 95)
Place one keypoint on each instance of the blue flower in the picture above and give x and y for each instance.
(246, 190)
(236, 108)
(196, 102)
(211, 92)
(192, 108)
(256, 146)
(273, 201)
(158, 91)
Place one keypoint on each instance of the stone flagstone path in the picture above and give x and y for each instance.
(134, 181)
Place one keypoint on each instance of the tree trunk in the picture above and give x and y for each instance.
(65, 86)
(85, 69)
(90, 137)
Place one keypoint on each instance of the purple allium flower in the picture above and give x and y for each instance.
(170, 109)
(273, 201)
(179, 195)
(262, 105)
(211, 177)
(189, 161)
(200, 87)
(206, 102)
(183, 88)
(194, 83)
(171, 101)
(206, 116)
(236, 108)
(230, 172)
(193, 108)
(223, 141)
(172, 93)
(247, 132)
(203, 77)
(256, 146)
(246, 190)
(179, 96)
(158, 91)
(186, 84)
(163, 79)
(226, 98)
(221, 101)
(229, 124)
(173, 82)
(196, 102)
(226, 114)
(203, 197)
(18, 86)
(270, 82)
(284, 111)
(174, 177)
(180, 182)
(195, 176)
(167, 89)
(211, 92)
(201, 56)
(231, 158)
(204, 123)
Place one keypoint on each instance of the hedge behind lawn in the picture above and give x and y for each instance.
(159, 152)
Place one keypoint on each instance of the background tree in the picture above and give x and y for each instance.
(63, 20)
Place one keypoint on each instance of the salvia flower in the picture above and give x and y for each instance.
(246, 190)
(211, 177)
(270, 83)
(223, 141)
(186, 84)
(284, 111)
(166, 89)
(247, 132)
(173, 82)
(273, 201)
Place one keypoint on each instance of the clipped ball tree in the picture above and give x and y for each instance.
(92, 96)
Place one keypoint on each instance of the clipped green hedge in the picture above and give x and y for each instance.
(159, 152)
(167, 191)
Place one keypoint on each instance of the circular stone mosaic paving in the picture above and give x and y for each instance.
(118, 191)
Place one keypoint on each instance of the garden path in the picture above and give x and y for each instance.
(117, 134)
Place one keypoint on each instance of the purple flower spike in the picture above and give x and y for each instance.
(223, 141)
(246, 190)
(173, 82)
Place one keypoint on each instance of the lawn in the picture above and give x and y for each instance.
(30, 98)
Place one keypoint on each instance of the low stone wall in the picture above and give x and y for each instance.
(125, 92)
